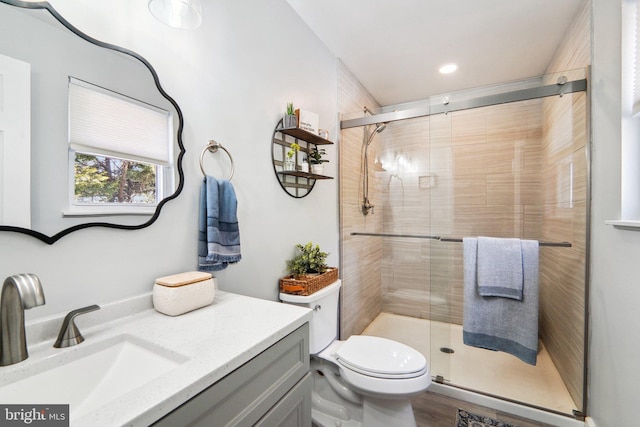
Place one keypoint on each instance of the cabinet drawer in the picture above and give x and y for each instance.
(245, 395)
(294, 410)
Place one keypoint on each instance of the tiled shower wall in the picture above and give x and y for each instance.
(361, 257)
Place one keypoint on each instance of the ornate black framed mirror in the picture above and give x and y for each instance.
(92, 139)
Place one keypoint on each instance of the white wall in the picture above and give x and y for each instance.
(232, 78)
(615, 285)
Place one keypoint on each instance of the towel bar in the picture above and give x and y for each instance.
(212, 147)
(450, 239)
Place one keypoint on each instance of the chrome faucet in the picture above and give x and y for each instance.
(69, 333)
(19, 292)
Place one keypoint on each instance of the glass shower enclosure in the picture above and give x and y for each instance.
(509, 161)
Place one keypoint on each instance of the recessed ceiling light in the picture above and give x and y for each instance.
(448, 68)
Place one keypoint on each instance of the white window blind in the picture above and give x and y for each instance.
(105, 123)
(636, 62)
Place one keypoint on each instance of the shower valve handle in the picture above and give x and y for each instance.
(366, 207)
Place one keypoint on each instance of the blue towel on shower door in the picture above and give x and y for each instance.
(218, 231)
(500, 267)
(497, 323)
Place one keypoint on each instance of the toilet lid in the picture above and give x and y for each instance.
(381, 357)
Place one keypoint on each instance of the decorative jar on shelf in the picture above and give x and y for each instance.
(304, 167)
(290, 121)
(289, 164)
(317, 169)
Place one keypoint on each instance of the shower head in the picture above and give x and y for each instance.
(379, 128)
(366, 205)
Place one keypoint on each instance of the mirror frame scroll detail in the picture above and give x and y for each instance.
(53, 238)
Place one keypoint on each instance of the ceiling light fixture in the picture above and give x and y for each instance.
(184, 14)
(448, 68)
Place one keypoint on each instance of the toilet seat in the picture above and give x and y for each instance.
(380, 358)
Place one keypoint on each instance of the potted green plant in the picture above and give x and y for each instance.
(290, 161)
(309, 260)
(316, 161)
(309, 271)
(290, 120)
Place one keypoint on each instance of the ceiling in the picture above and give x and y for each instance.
(395, 47)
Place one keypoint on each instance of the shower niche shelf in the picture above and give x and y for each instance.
(295, 183)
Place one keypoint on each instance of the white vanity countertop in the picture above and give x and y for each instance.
(211, 342)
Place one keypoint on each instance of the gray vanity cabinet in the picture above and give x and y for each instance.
(272, 389)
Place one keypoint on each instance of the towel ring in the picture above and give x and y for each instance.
(212, 147)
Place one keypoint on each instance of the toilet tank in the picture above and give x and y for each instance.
(323, 326)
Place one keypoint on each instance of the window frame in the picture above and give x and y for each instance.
(164, 170)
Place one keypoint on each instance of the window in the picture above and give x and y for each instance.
(120, 151)
(630, 126)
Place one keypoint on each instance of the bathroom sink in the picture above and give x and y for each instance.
(91, 377)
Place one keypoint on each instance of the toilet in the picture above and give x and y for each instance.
(364, 381)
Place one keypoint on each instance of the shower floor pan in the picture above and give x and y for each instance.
(491, 372)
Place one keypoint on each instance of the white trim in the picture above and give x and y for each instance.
(624, 224)
(588, 422)
(108, 210)
(630, 125)
(634, 19)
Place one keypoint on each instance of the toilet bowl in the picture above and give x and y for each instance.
(364, 380)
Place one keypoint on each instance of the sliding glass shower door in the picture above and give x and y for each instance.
(511, 170)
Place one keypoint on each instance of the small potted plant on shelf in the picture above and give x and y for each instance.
(316, 161)
(290, 120)
(309, 271)
(290, 162)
